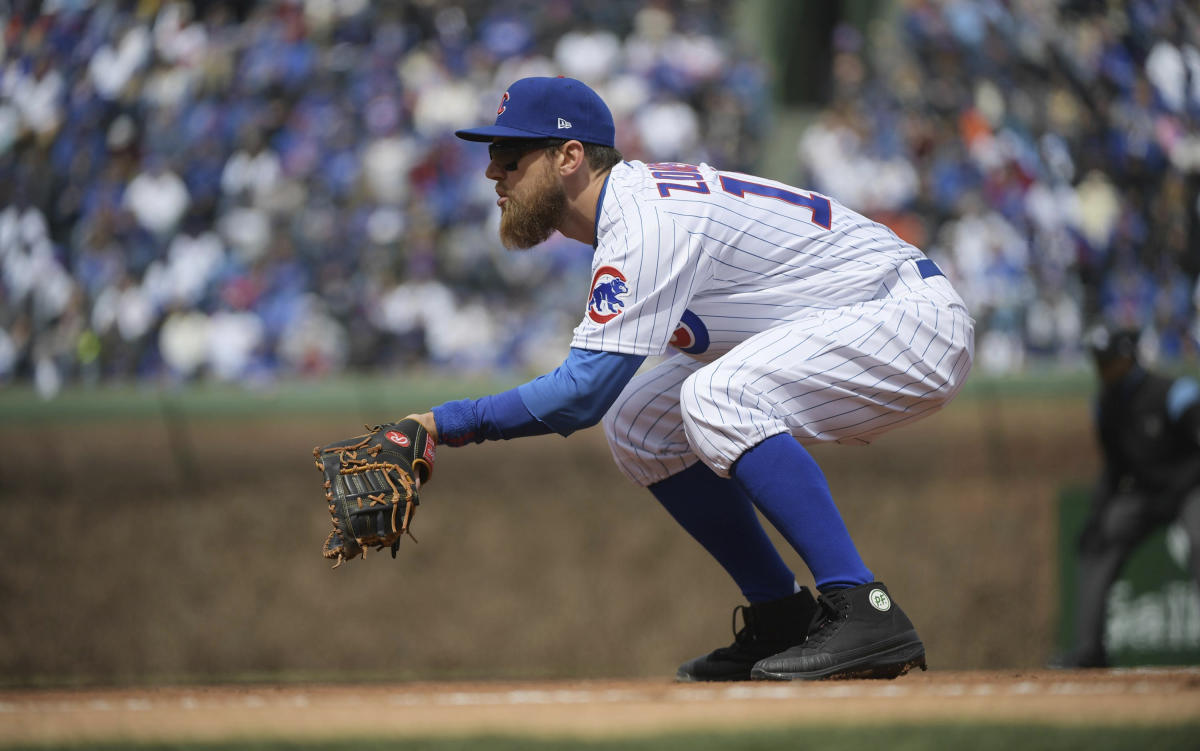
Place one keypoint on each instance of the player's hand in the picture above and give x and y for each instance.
(427, 422)
(371, 485)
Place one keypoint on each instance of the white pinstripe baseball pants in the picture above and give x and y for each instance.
(844, 374)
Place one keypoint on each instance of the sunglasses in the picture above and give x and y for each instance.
(509, 153)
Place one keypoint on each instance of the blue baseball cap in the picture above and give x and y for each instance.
(540, 107)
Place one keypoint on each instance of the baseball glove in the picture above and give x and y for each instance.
(371, 484)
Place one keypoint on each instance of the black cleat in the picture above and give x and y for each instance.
(771, 627)
(859, 633)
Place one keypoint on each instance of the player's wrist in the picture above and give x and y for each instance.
(456, 423)
(427, 421)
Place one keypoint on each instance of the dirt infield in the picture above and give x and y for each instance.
(593, 708)
(190, 553)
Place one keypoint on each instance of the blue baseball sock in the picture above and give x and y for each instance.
(785, 483)
(715, 512)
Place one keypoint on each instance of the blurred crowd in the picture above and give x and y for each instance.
(1046, 154)
(242, 191)
(246, 190)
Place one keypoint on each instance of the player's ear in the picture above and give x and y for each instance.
(571, 158)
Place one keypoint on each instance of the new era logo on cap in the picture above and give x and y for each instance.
(543, 107)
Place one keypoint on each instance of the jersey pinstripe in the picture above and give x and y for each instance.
(845, 374)
(742, 256)
(792, 314)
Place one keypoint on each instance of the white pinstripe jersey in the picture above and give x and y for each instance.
(701, 259)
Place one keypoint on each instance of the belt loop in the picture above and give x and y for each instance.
(928, 268)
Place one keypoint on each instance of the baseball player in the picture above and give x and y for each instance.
(1148, 427)
(792, 320)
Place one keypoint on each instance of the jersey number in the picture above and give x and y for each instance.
(822, 214)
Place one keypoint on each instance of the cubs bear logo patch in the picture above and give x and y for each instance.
(609, 286)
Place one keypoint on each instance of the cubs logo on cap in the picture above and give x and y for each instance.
(545, 107)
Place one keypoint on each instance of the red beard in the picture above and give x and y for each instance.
(529, 220)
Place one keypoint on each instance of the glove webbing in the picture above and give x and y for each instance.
(360, 465)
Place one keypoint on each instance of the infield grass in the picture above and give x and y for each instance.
(369, 395)
(989, 737)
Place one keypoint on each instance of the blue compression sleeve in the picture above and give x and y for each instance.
(575, 395)
(492, 418)
(578, 392)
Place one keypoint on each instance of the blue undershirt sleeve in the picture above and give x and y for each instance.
(492, 418)
(574, 395)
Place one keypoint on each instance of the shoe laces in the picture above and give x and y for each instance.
(823, 622)
(747, 631)
(741, 636)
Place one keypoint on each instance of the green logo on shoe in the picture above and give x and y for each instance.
(879, 600)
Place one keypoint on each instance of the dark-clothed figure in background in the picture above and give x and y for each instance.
(1148, 426)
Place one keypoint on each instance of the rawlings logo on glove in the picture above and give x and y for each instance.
(371, 484)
